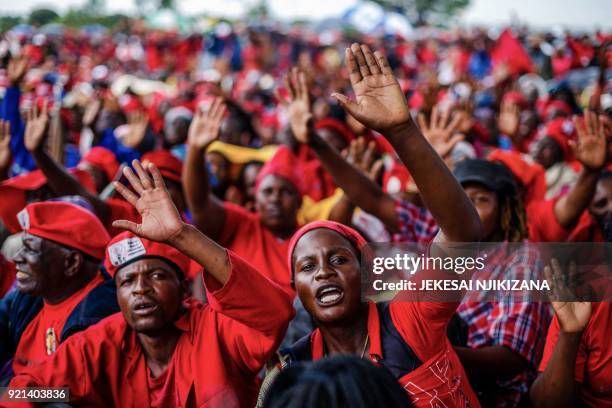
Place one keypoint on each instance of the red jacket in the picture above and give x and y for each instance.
(215, 362)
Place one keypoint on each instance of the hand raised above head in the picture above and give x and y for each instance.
(380, 103)
(161, 220)
(205, 126)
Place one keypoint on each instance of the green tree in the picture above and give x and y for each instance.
(7, 22)
(425, 11)
(42, 16)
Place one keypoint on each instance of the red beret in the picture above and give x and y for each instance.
(530, 174)
(67, 224)
(282, 164)
(13, 194)
(168, 164)
(104, 159)
(126, 248)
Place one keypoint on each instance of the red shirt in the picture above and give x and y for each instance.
(215, 363)
(544, 227)
(244, 234)
(441, 380)
(593, 368)
(42, 335)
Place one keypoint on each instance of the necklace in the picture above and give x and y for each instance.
(365, 345)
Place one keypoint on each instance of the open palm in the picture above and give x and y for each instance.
(205, 127)
(573, 316)
(380, 103)
(160, 219)
(590, 148)
(36, 128)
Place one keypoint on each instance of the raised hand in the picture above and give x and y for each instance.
(5, 147)
(16, 69)
(380, 103)
(573, 316)
(138, 121)
(440, 133)
(590, 148)
(160, 219)
(298, 106)
(36, 128)
(508, 120)
(92, 111)
(205, 126)
(363, 156)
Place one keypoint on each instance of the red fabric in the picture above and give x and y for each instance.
(13, 194)
(582, 54)
(516, 98)
(282, 164)
(593, 368)
(347, 232)
(396, 179)
(244, 234)
(336, 126)
(104, 159)
(544, 227)
(168, 164)
(32, 347)
(120, 210)
(441, 380)
(67, 224)
(223, 346)
(161, 389)
(126, 248)
(509, 51)
(530, 174)
(562, 131)
(556, 104)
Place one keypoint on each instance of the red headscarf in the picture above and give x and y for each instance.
(349, 233)
(282, 164)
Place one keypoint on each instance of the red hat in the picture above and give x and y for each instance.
(13, 193)
(561, 130)
(282, 164)
(104, 159)
(347, 232)
(557, 104)
(336, 126)
(530, 174)
(67, 224)
(127, 248)
(168, 164)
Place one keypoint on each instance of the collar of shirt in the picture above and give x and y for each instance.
(316, 339)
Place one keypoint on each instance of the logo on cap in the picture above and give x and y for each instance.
(24, 219)
(126, 250)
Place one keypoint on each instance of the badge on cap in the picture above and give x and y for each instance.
(126, 250)
(24, 219)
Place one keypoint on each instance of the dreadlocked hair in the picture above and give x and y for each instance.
(513, 217)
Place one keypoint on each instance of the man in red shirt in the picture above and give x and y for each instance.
(164, 349)
(260, 238)
(576, 368)
(60, 289)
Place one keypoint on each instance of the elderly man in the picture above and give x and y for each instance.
(60, 289)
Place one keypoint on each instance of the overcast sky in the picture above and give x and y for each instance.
(585, 14)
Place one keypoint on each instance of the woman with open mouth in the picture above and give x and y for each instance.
(408, 338)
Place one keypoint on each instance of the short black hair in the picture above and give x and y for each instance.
(341, 381)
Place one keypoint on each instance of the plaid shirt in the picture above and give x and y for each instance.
(416, 224)
(519, 326)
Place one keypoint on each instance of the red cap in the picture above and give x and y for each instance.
(347, 232)
(557, 104)
(67, 224)
(336, 126)
(13, 194)
(126, 248)
(104, 159)
(282, 164)
(168, 164)
(561, 130)
(516, 98)
(397, 179)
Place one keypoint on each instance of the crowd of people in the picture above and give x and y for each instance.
(182, 217)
